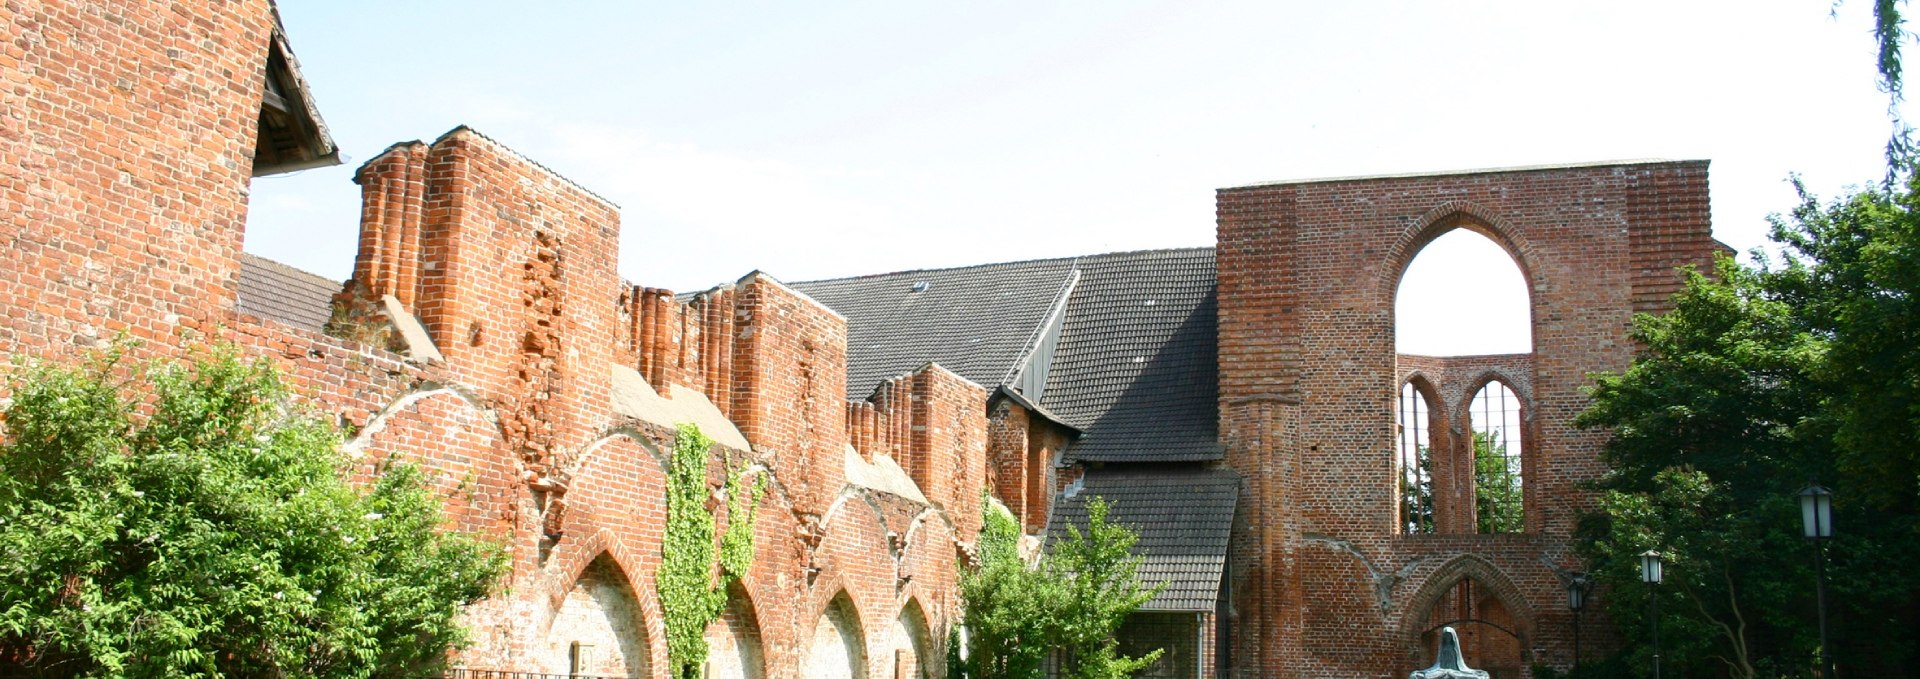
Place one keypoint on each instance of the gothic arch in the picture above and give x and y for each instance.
(599, 623)
(836, 643)
(1456, 214)
(1473, 567)
(1417, 507)
(735, 643)
(911, 651)
(1521, 387)
(592, 449)
(358, 444)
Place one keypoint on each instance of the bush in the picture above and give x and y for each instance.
(181, 519)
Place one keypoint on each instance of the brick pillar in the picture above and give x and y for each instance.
(392, 189)
(1265, 612)
(789, 385)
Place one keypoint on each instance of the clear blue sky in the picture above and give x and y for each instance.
(814, 140)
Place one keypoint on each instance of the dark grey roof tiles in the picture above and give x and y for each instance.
(1183, 517)
(272, 290)
(976, 321)
(1135, 366)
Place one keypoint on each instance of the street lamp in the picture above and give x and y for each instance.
(1650, 568)
(1577, 588)
(1816, 520)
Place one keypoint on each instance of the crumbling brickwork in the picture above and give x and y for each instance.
(1324, 583)
(484, 336)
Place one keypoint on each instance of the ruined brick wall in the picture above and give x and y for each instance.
(125, 153)
(1022, 448)
(1308, 274)
(126, 144)
(510, 268)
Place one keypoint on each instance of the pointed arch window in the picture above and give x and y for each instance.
(1498, 459)
(1415, 462)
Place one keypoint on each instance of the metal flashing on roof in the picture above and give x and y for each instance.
(1119, 346)
(1003, 391)
(977, 322)
(1140, 379)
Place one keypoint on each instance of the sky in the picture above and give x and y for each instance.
(824, 139)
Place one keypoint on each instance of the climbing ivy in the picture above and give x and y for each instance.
(689, 598)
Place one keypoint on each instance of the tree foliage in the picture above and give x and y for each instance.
(1073, 601)
(690, 599)
(1761, 379)
(1416, 493)
(183, 520)
(1497, 502)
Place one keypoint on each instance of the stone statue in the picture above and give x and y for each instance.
(1448, 664)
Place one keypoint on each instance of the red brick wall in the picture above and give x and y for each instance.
(1308, 274)
(126, 137)
(126, 144)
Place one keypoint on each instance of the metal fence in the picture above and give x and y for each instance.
(467, 673)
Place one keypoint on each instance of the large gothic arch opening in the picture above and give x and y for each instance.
(598, 629)
(1463, 309)
(1482, 605)
(1462, 294)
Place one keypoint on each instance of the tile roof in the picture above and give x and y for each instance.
(1183, 516)
(269, 289)
(1135, 366)
(977, 321)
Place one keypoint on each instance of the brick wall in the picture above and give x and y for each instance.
(126, 138)
(1308, 275)
(126, 145)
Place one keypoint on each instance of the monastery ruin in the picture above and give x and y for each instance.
(1242, 404)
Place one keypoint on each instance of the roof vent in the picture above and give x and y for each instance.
(921, 286)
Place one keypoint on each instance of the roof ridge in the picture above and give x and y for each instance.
(290, 269)
(1073, 259)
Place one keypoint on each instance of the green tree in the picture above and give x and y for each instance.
(1416, 493)
(1073, 601)
(175, 519)
(1497, 503)
(1761, 379)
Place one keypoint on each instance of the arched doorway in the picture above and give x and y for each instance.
(910, 649)
(1481, 604)
(1489, 640)
(598, 629)
(836, 649)
(733, 641)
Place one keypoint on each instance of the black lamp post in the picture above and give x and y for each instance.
(1816, 518)
(1577, 588)
(1650, 567)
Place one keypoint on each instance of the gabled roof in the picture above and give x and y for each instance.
(1183, 517)
(272, 290)
(977, 321)
(1135, 368)
(291, 134)
(1129, 360)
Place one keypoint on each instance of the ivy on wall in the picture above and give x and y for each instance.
(690, 599)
